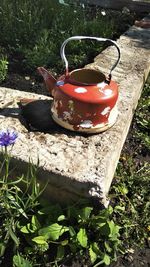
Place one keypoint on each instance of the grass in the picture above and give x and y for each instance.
(131, 184)
(3, 65)
(33, 32)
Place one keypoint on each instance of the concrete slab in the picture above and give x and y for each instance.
(78, 166)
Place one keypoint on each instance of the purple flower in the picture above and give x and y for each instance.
(7, 138)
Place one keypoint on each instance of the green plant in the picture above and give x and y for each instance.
(15, 204)
(130, 191)
(23, 21)
(19, 261)
(133, 206)
(143, 117)
(31, 228)
(74, 231)
(3, 67)
(42, 53)
(34, 31)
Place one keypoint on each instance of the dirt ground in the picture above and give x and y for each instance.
(139, 258)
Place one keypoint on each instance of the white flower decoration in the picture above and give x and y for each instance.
(86, 124)
(108, 92)
(101, 85)
(80, 90)
(105, 111)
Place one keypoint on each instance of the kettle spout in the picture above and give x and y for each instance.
(49, 80)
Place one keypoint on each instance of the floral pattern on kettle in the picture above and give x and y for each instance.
(80, 90)
(101, 85)
(105, 111)
(108, 92)
(86, 124)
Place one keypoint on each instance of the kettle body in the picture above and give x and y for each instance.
(85, 100)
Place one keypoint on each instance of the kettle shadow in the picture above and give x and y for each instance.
(10, 112)
(36, 117)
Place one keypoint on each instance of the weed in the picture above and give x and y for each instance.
(15, 205)
(3, 66)
(131, 188)
(131, 195)
(143, 117)
(73, 231)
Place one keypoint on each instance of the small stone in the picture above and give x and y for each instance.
(27, 78)
(103, 12)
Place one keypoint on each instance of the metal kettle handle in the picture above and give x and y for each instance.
(63, 56)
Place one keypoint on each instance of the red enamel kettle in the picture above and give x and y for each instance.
(84, 99)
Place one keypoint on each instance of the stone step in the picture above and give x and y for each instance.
(79, 166)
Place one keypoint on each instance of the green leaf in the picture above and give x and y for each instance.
(25, 229)
(110, 210)
(85, 213)
(40, 240)
(14, 237)
(21, 211)
(19, 261)
(96, 248)
(60, 252)
(114, 230)
(106, 259)
(73, 247)
(64, 242)
(28, 229)
(104, 229)
(100, 224)
(72, 231)
(93, 255)
(35, 222)
(101, 218)
(54, 231)
(2, 249)
(82, 237)
(123, 189)
(108, 248)
(18, 180)
(31, 227)
(119, 208)
(61, 218)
